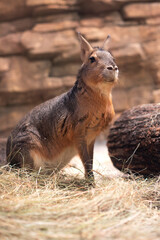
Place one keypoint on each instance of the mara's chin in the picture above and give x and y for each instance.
(112, 81)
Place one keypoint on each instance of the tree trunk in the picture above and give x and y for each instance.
(134, 140)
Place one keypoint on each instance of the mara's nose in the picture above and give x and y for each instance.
(111, 68)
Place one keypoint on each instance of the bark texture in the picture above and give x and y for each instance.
(134, 140)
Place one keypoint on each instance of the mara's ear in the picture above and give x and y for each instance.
(86, 48)
(106, 42)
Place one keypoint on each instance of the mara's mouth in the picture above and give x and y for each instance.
(113, 78)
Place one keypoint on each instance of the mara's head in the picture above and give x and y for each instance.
(98, 69)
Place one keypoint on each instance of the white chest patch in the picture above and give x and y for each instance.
(56, 163)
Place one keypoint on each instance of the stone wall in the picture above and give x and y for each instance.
(39, 50)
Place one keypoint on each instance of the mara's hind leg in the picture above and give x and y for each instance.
(17, 155)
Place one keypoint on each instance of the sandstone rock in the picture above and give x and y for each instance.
(49, 44)
(57, 85)
(65, 57)
(43, 7)
(10, 10)
(150, 49)
(24, 75)
(11, 44)
(24, 81)
(131, 53)
(29, 97)
(141, 10)
(92, 22)
(68, 81)
(47, 2)
(65, 70)
(98, 22)
(153, 21)
(149, 33)
(94, 33)
(133, 70)
(56, 18)
(152, 65)
(156, 96)
(4, 65)
(124, 98)
(57, 26)
(54, 87)
(121, 35)
(113, 17)
(29, 82)
(120, 99)
(128, 1)
(134, 75)
(95, 7)
(16, 26)
(140, 95)
(50, 9)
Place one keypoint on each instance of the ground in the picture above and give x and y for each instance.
(38, 207)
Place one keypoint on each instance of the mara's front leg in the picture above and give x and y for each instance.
(86, 155)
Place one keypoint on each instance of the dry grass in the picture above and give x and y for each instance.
(39, 207)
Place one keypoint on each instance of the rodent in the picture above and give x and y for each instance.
(56, 130)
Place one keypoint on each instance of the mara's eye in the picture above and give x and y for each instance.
(92, 59)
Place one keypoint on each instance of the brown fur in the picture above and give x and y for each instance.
(53, 132)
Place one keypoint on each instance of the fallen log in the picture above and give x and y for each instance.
(134, 140)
